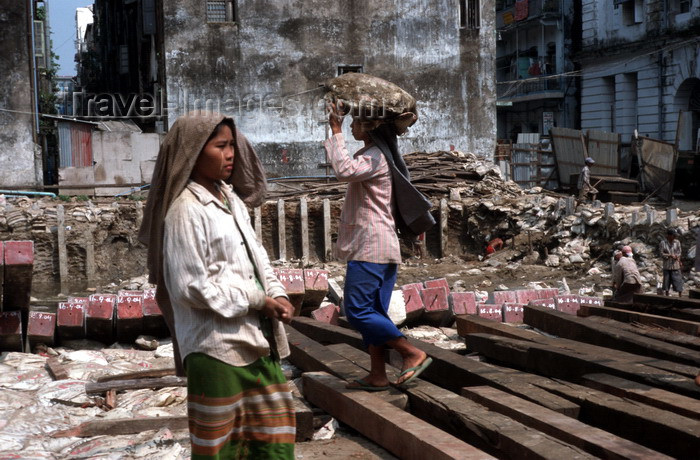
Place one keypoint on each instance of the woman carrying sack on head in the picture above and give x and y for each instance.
(217, 291)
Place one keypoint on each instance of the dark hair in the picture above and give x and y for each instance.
(225, 122)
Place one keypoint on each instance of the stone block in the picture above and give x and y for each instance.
(328, 313)
(293, 281)
(153, 321)
(315, 287)
(81, 300)
(591, 301)
(129, 317)
(462, 303)
(501, 297)
(548, 293)
(413, 301)
(523, 296)
(490, 311)
(437, 308)
(418, 286)
(440, 282)
(549, 303)
(513, 312)
(99, 318)
(11, 331)
(70, 320)
(41, 328)
(18, 266)
(568, 303)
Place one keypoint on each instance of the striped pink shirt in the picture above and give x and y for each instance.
(366, 231)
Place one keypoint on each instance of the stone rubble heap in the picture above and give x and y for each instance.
(583, 237)
(25, 214)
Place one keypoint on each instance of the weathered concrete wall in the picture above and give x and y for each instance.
(265, 70)
(19, 157)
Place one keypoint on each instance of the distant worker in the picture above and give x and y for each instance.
(584, 181)
(670, 250)
(617, 254)
(626, 278)
(494, 245)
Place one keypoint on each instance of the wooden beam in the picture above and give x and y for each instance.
(311, 356)
(679, 404)
(628, 316)
(689, 314)
(62, 252)
(410, 438)
(281, 231)
(57, 371)
(449, 370)
(472, 324)
(665, 335)
(475, 325)
(327, 248)
(257, 222)
(149, 373)
(471, 422)
(90, 257)
(591, 439)
(444, 215)
(162, 382)
(123, 426)
(635, 421)
(304, 216)
(580, 329)
(666, 301)
(571, 361)
(304, 422)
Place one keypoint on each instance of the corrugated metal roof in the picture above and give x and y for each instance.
(119, 125)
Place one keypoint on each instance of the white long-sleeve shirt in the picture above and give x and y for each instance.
(211, 278)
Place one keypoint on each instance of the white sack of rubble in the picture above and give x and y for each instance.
(397, 308)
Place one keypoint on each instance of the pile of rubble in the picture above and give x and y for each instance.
(25, 214)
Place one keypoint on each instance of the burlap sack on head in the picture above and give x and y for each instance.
(369, 97)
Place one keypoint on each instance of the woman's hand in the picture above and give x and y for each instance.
(278, 308)
(289, 309)
(335, 118)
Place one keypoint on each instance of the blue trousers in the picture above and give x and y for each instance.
(368, 288)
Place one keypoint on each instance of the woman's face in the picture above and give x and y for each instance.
(358, 131)
(215, 162)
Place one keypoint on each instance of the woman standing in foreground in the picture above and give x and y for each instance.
(215, 283)
(368, 242)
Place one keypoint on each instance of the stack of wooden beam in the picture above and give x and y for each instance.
(591, 387)
(432, 173)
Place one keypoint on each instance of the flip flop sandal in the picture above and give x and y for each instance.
(362, 385)
(417, 370)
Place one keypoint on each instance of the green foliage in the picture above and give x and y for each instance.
(64, 198)
(40, 13)
(82, 198)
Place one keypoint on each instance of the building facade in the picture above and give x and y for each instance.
(537, 86)
(262, 62)
(23, 55)
(641, 70)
